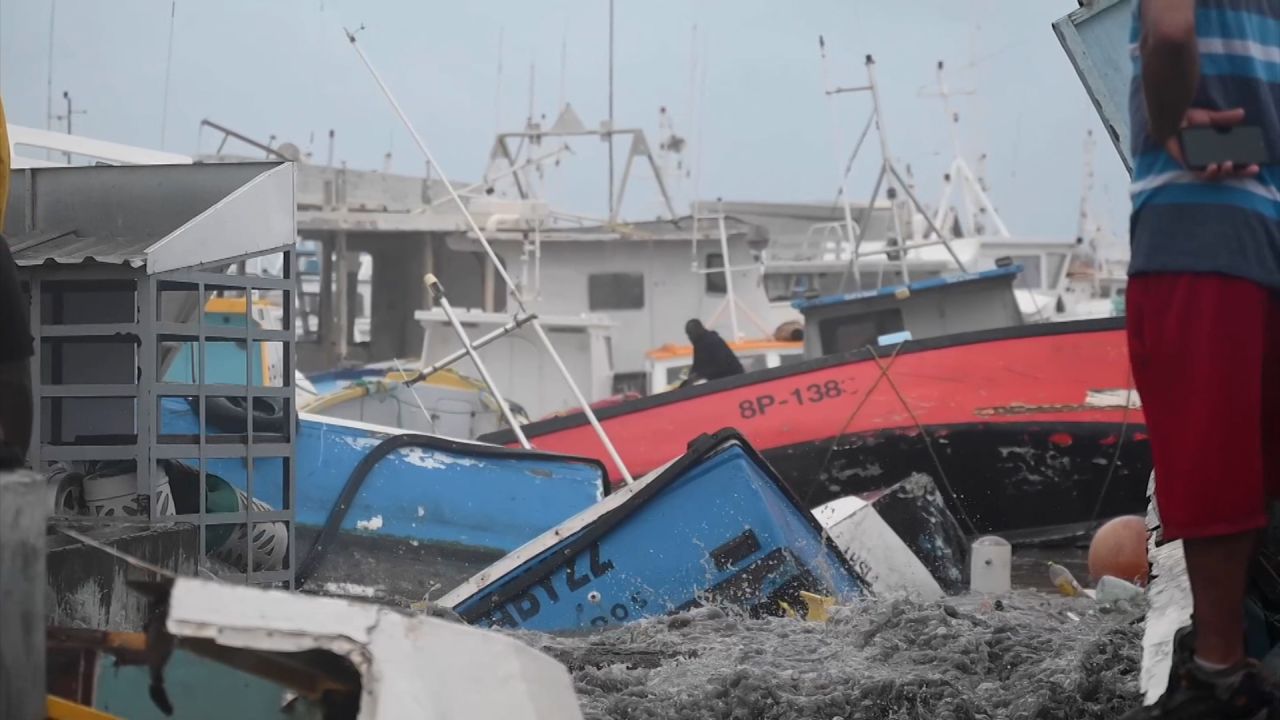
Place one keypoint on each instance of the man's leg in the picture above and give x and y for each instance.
(1218, 568)
(1198, 345)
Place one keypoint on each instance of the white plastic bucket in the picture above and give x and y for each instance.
(989, 569)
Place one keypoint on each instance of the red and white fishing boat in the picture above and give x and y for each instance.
(1030, 429)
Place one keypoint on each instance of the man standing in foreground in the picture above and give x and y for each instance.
(1204, 324)
(712, 357)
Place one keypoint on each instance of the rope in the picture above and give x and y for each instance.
(1115, 458)
(937, 463)
(430, 423)
(840, 436)
(135, 562)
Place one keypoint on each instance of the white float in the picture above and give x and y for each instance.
(875, 550)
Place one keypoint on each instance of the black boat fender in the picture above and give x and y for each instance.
(269, 414)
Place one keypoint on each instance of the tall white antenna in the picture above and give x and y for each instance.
(168, 71)
(1084, 231)
(968, 219)
(497, 93)
(610, 135)
(842, 178)
(533, 70)
(564, 64)
(49, 86)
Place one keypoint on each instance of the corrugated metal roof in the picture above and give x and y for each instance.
(161, 217)
(70, 248)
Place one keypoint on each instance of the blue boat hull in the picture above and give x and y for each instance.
(415, 501)
(716, 526)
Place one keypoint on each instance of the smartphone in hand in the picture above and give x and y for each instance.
(1241, 145)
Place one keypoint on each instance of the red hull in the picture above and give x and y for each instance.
(1053, 381)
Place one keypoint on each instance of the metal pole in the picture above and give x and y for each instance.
(838, 138)
(984, 199)
(48, 99)
(953, 122)
(344, 307)
(428, 370)
(610, 136)
(861, 230)
(270, 151)
(896, 178)
(493, 258)
(875, 109)
(728, 278)
(168, 68)
(67, 96)
(920, 207)
(888, 164)
(437, 292)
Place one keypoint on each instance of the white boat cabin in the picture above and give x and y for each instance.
(914, 311)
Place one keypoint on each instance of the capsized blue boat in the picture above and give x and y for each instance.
(715, 526)
(397, 513)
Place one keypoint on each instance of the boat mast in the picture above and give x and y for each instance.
(968, 218)
(845, 168)
(896, 184)
(971, 187)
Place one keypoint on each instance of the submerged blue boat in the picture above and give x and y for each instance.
(715, 526)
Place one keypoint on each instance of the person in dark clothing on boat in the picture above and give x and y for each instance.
(712, 357)
(15, 338)
(1204, 326)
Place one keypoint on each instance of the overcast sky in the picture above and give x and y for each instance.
(283, 68)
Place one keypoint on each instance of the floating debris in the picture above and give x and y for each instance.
(1038, 657)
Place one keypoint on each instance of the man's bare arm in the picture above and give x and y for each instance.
(1170, 63)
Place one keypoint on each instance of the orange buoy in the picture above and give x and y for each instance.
(1119, 549)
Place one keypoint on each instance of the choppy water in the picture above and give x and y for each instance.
(1035, 656)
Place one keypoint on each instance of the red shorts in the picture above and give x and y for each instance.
(1205, 351)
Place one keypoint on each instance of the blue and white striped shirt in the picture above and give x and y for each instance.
(1179, 223)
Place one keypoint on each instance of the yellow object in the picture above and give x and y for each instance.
(56, 708)
(5, 163)
(231, 305)
(1064, 580)
(672, 350)
(819, 607)
(441, 378)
